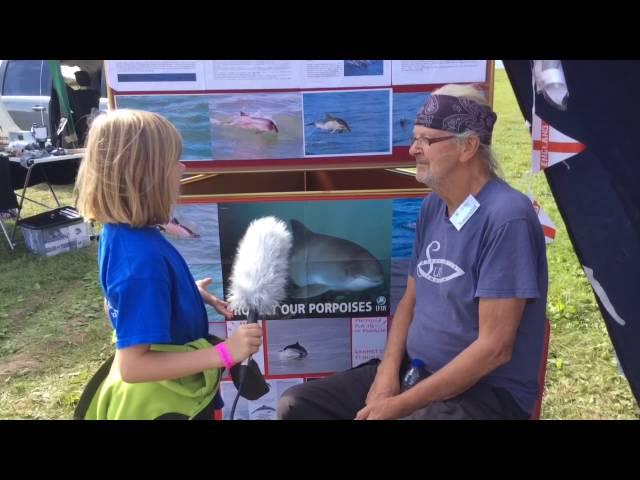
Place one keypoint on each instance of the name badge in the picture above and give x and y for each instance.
(464, 212)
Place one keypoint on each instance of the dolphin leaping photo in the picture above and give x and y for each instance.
(253, 123)
(294, 351)
(331, 124)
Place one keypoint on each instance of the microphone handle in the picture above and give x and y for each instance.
(252, 317)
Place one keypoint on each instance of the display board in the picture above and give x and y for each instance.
(268, 115)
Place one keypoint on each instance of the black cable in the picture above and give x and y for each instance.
(243, 374)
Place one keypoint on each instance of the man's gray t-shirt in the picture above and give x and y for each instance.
(499, 253)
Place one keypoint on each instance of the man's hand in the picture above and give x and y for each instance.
(385, 409)
(244, 342)
(220, 306)
(385, 385)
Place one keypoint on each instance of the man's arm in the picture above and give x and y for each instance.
(499, 322)
(387, 382)
(396, 343)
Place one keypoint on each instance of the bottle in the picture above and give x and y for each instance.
(415, 374)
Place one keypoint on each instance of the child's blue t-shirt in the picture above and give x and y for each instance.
(151, 294)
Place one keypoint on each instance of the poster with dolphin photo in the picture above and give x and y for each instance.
(228, 392)
(405, 108)
(189, 114)
(256, 126)
(356, 122)
(259, 355)
(339, 264)
(423, 72)
(156, 75)
(265, 407)
(219, 329)
(214, 272)
(345, 74)
(368, 339)
(363, 67)
(405, 216)
(193, 230)
(308, 346)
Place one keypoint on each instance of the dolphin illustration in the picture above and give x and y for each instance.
(321, 263)
(253, 123)
(293, 351)
(264, 408)
(176, 229)
(264, 412)
(332, 124)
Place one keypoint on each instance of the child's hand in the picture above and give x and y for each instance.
(244, 342)
(219, 305)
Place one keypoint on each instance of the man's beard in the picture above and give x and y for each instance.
(427, 178)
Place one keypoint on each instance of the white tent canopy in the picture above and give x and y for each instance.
(6, 125)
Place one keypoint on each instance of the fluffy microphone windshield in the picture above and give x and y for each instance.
(259, 274)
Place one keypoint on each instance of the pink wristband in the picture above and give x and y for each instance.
(222, 349)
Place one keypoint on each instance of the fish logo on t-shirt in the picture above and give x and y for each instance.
(439, 269)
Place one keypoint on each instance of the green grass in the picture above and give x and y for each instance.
(53, 333)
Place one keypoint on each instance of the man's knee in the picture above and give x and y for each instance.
(289, 404)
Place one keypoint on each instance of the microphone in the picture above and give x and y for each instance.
(257, 285)
(260, 269)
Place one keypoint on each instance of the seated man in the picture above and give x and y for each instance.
(474, 306)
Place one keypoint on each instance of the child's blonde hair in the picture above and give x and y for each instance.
(128, 171)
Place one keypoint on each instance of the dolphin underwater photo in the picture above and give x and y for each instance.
(331, 124)
(322, 263)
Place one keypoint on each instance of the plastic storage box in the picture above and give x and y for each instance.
(55, 231)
